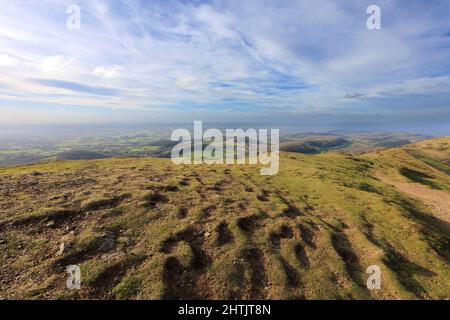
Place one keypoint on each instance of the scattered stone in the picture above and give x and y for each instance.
(109, 256)
(63, 248)
(107, 244)
(207, 234)
(128, 241)
(51, 223)
(2, 241)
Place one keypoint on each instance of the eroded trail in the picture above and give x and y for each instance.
(437, 200)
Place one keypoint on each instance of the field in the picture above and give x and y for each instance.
(143, 228)
(80, 144)
(90, 143)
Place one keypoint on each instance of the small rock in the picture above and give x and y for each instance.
(107, 244)
(2, 241)
(128, 241)
(63, 248)
(207, 234)
(108, 256)
(50, 223)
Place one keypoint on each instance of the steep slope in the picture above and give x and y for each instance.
(422, 171)
(147, 229)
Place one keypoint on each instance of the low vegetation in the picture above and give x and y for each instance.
(143, 228)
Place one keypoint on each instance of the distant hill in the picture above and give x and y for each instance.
(80, 155)
(153, 144)
(313, 143)
(313, 146)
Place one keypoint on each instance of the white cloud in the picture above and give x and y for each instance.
(7, 61)
(266, 56)
(56, 63)
(108, 72)
(422, 86)
(187, 82)
(217, 22)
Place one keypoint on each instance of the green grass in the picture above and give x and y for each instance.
(226, 232)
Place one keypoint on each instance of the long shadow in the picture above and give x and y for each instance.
(180, 281)
(436, 232)
(344, 249)
(403, 268)
(254, 258)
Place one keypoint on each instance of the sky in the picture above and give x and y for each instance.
(311, 63)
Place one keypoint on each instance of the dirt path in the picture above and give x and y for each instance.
(437, 200)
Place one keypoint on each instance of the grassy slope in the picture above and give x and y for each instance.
(225, 231)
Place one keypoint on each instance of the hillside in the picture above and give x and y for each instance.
(20, 148)
(351, 143)
(147, 229)
(313, 146)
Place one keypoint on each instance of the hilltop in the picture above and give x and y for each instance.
(143, 228)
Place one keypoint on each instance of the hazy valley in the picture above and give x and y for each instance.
(143, 228)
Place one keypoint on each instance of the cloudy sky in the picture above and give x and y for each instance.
(164, 61)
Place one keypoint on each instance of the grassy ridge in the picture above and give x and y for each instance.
(147, 229)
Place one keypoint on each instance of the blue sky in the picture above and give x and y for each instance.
(135, 61)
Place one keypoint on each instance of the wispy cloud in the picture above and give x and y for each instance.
(260, 57)
(108, 72)
(7, 61)
(56, 63)
(77, 87)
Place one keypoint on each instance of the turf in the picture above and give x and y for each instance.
(147, 229)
